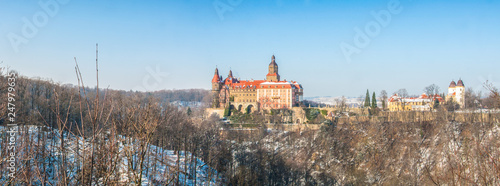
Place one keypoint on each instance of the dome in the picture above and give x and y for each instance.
(453, 84)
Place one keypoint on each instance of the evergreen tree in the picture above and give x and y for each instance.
(227, 112)
(367, 99)
(374, 101)
(248, 110)
(189, 111)
(436, 104)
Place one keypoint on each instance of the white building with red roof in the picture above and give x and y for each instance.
(421, 103)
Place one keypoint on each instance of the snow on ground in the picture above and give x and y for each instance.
(160, 167)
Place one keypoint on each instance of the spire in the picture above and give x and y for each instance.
(230, 73)
(216, 71)
(273, 61)
(216, 76)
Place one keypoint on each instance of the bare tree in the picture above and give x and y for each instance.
(493, 100)
(341, 103)
(402, 93)
(472, 99)
(360, 101)
(432, 90)
(383, 99)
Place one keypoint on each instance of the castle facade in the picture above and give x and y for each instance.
(250, 95)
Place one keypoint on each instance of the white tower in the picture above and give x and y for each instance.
(460, 93)
(456, 91)
(451, 89)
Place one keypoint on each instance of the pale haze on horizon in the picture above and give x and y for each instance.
(332, 48)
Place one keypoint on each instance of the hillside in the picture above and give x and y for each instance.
(47, 156)
(75, 136)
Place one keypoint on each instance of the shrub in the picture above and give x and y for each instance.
(324, 112)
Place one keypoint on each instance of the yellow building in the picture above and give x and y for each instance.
(421, 103)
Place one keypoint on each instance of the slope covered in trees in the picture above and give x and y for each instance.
(108, 137)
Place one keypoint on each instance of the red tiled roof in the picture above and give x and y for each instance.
(215, 78)
(297, 86)
(277, 84)
(396, 98)
(230, 81)
(424, 96)
(247, 84)
(439, 98)
(237, 84)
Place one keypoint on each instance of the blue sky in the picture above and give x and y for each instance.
(153, 45)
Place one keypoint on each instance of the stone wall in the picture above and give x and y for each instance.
(294, 127)
(218, 111)
(299, 115)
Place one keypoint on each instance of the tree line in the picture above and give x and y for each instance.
(86, 134)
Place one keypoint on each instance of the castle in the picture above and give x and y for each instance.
(456, 91)
(249, 95)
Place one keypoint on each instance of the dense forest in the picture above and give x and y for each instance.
(71, 135)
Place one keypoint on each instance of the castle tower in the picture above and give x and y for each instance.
(451, 88)
(216, 88)
(460, 93)
(273, 75)
(456, 91)
(230, 79)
